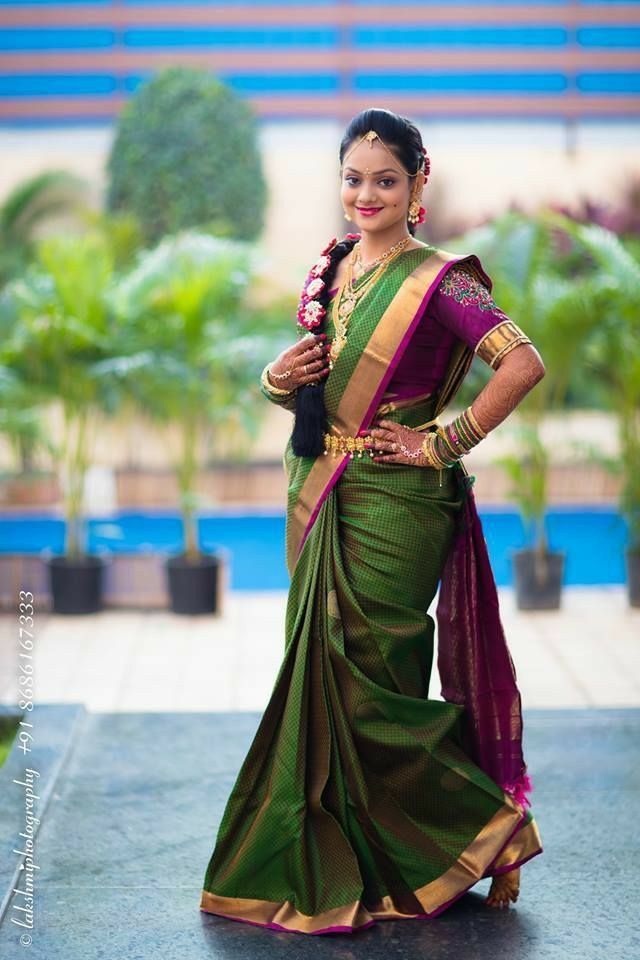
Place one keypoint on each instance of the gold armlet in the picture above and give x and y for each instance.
(498, 341)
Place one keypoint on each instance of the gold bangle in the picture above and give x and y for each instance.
(429, 452)
(276, 391)
(474, 423)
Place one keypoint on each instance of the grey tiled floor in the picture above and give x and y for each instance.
(132, 823)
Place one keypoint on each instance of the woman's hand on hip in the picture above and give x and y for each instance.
(308, 361)
(396, 443)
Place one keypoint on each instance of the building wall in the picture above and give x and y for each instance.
(555, 59)
(516, 102)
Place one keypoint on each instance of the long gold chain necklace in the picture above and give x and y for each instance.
(348, 296)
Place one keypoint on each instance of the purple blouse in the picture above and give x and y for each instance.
(461, 308)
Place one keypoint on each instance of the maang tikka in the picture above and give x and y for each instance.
(415, 214)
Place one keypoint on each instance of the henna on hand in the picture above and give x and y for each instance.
(519, 371)
(389, 440)
(307, 361)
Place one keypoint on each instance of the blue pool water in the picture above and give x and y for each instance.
(593, 537)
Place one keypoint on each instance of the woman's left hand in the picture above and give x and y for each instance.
(395, 443)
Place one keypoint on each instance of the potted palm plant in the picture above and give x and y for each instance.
(62, 332)
(557, 313)
(613, 356)
(538, 570)
(195, 349)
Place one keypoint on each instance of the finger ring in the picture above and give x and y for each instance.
(304, 369)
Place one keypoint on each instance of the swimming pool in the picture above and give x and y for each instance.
(593, 537)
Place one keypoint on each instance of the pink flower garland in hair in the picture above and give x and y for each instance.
(427, 169)
(311, 313)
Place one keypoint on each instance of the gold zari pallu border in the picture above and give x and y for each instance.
(499, 341)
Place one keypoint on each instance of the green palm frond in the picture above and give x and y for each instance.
(35, 199)
(617, 263)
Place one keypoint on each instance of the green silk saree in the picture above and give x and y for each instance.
(359, 798)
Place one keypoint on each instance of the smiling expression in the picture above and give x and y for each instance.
(386, 187)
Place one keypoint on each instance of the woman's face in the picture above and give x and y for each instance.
(370, 178)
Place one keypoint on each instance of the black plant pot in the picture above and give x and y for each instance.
(194, 586)
(538, 579)
(632, 558)
(76, 585)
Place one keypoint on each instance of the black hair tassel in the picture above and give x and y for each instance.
(307, 438)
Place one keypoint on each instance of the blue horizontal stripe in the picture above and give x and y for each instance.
(270, 37)
(332, 3)
(88, 84)
(307, 3)
(88, 38)
(63, 38)
(622, 82)
(4, 4)
(43, 85)
(465, 3)
(291, 83)
(462, 82)
(257, 83)
(231, 3)
(454, 36)
(609, 37)
(55, 3)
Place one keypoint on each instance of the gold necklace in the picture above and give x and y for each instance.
(345, 302)
(357, 251)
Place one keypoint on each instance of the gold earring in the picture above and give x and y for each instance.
(414, 211)
(347, 217)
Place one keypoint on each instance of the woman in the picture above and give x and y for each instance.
(360, 799)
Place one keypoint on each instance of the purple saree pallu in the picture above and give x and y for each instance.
(361, 798)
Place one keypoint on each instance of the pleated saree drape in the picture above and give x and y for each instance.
(360, 798)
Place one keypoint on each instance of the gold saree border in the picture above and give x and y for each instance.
(500, 843)
(366, 382)
(525, 844)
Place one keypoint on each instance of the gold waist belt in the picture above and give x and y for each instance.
(342, 443)
(351, 445)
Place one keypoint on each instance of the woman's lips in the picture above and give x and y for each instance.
(368, 211)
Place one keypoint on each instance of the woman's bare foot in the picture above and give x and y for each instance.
(504, 887)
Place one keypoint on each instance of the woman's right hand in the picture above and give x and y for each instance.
(311, 351)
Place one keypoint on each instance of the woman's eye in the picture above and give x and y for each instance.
(385, 180)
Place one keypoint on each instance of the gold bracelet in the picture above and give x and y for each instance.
(430, 454)
(276, 391)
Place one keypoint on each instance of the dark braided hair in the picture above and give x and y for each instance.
(404, 139)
